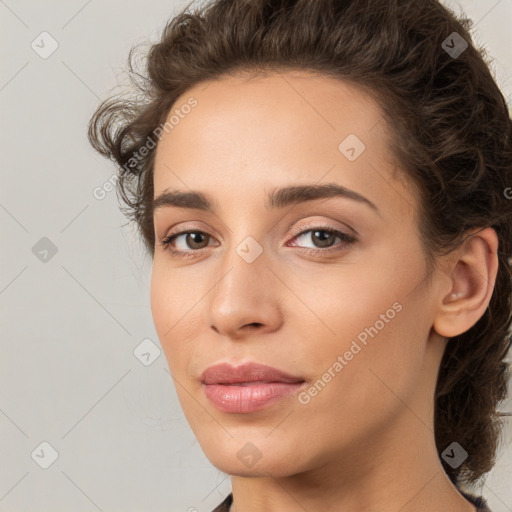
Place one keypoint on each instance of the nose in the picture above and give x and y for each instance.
(246, 298)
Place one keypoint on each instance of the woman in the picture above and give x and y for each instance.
(322, 186)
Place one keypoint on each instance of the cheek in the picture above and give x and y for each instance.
(160, 296)
(370, 322)
(169, 311)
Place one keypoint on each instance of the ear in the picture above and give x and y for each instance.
(466, 293)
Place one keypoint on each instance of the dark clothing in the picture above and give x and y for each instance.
(478, 501)
(224, 506)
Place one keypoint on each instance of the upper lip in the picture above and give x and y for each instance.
(225, 373)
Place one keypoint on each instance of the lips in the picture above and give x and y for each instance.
(247, 388)
(227, 374)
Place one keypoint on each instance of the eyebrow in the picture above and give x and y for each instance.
(277, 198)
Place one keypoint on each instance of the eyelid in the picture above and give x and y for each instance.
(186, 229)
(302, 225)
(322, 225)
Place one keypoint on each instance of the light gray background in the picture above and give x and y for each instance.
(70, 324)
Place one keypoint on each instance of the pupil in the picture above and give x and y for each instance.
(323, 238)
(193, 237)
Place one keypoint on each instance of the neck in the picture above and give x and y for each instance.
(397, 470)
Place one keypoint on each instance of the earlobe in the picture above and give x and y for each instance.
(472, 276)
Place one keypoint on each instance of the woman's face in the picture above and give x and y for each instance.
(262, 278)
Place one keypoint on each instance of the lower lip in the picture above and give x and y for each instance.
(249, 397)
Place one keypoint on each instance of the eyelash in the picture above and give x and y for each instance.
(347, 240)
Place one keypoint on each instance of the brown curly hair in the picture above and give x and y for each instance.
(450, 131)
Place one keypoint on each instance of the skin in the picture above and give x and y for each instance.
(365, 442)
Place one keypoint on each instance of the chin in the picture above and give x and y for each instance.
(248, 461)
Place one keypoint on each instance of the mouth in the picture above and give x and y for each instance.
(247, 388)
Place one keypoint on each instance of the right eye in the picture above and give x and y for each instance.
(192, 238)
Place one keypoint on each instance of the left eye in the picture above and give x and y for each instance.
(325, 237)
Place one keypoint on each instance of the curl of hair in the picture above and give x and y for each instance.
(450, 131)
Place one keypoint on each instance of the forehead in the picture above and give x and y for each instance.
(274, 128)
(285, 106)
